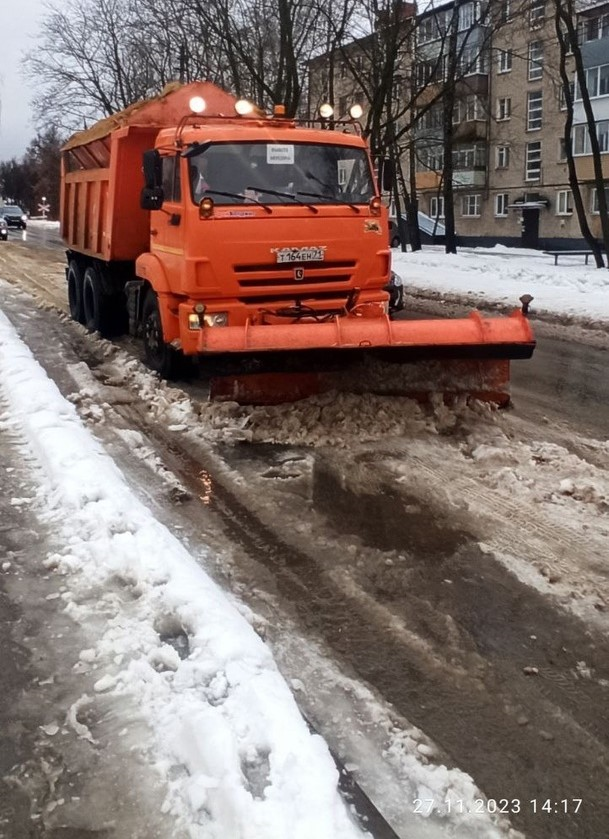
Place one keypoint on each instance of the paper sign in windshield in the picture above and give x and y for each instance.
(276, 153)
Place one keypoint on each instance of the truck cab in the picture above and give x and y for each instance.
(263, 224)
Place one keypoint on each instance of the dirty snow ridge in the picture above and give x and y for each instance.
(238, 758)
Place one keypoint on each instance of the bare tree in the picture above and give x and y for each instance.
(565, 18)
(90, 61)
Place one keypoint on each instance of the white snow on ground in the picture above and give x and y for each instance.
(223, 716)
(239, 759)
(46, 224)
(503, 274)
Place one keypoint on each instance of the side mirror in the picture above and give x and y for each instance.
(151, 198)
(153, 169)
(387, 175)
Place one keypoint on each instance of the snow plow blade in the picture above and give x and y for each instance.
(462, 357)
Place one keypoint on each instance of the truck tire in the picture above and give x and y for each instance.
(75, 292)
(102, 312)
(95, 303)
(159, 356)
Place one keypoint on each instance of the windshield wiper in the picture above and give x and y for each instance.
(331, 198)
(242, 198)
(291, 195)
(195, 149)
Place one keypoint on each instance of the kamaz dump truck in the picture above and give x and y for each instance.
(254, 243)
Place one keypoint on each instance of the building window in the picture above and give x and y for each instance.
(474, 109)
(533, 162)
(534, 110)
(436, 206)
(504, 108)
(468, 15)
(469, 109)
(594, 201)
(471, 61)
(504, 61)
(562, 149)
(581, 138)
(597, 82)
(430, 120)
(562, 99)
(502, 157)
(426, 30)
(564, 202)
(501, 205)
(431, 158)
(537, 12)
(470, 157)
(535, 60)
(504, 11)
(471, 205)
(593, 28)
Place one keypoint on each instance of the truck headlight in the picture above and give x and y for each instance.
(216, 319)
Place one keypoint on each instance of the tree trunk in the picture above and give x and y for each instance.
(573, 180)
(565, 12)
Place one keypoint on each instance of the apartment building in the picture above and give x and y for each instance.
(593, 28)
(510, 176)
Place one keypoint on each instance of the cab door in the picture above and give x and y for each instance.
(167, 233)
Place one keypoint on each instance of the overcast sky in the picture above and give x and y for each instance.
(18, 25)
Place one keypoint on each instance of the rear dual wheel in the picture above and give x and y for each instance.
(75, 292)
(102, 312)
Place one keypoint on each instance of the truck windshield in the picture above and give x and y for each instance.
(278, 173)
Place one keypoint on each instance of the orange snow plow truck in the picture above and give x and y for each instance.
(259, 246)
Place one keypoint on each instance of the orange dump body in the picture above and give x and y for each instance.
(102, 173)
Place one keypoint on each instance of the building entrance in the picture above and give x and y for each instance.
(530, 228)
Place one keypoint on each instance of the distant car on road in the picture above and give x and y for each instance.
(14, 216)
(3, 230)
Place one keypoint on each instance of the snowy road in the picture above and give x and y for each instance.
(432, 586)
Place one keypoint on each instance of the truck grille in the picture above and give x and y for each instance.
(273, 275)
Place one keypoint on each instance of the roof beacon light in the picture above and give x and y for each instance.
(279, 110)
(197, 104)
(326, 111)
(356, 111)
(243, 107)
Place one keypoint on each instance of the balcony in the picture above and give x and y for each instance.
(476, 176)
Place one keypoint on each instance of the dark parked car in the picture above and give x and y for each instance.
(396, 293)
(14, 216)
(394, 234)
(3, 230)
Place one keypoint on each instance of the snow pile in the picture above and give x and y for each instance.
(503, 274)
(238, 758)
(328, 419)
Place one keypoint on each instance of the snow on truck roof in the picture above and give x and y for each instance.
(160, 111)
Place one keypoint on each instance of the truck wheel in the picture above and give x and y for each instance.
(75, 292)
(159, 356)
(93, 302)
(99, 308)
